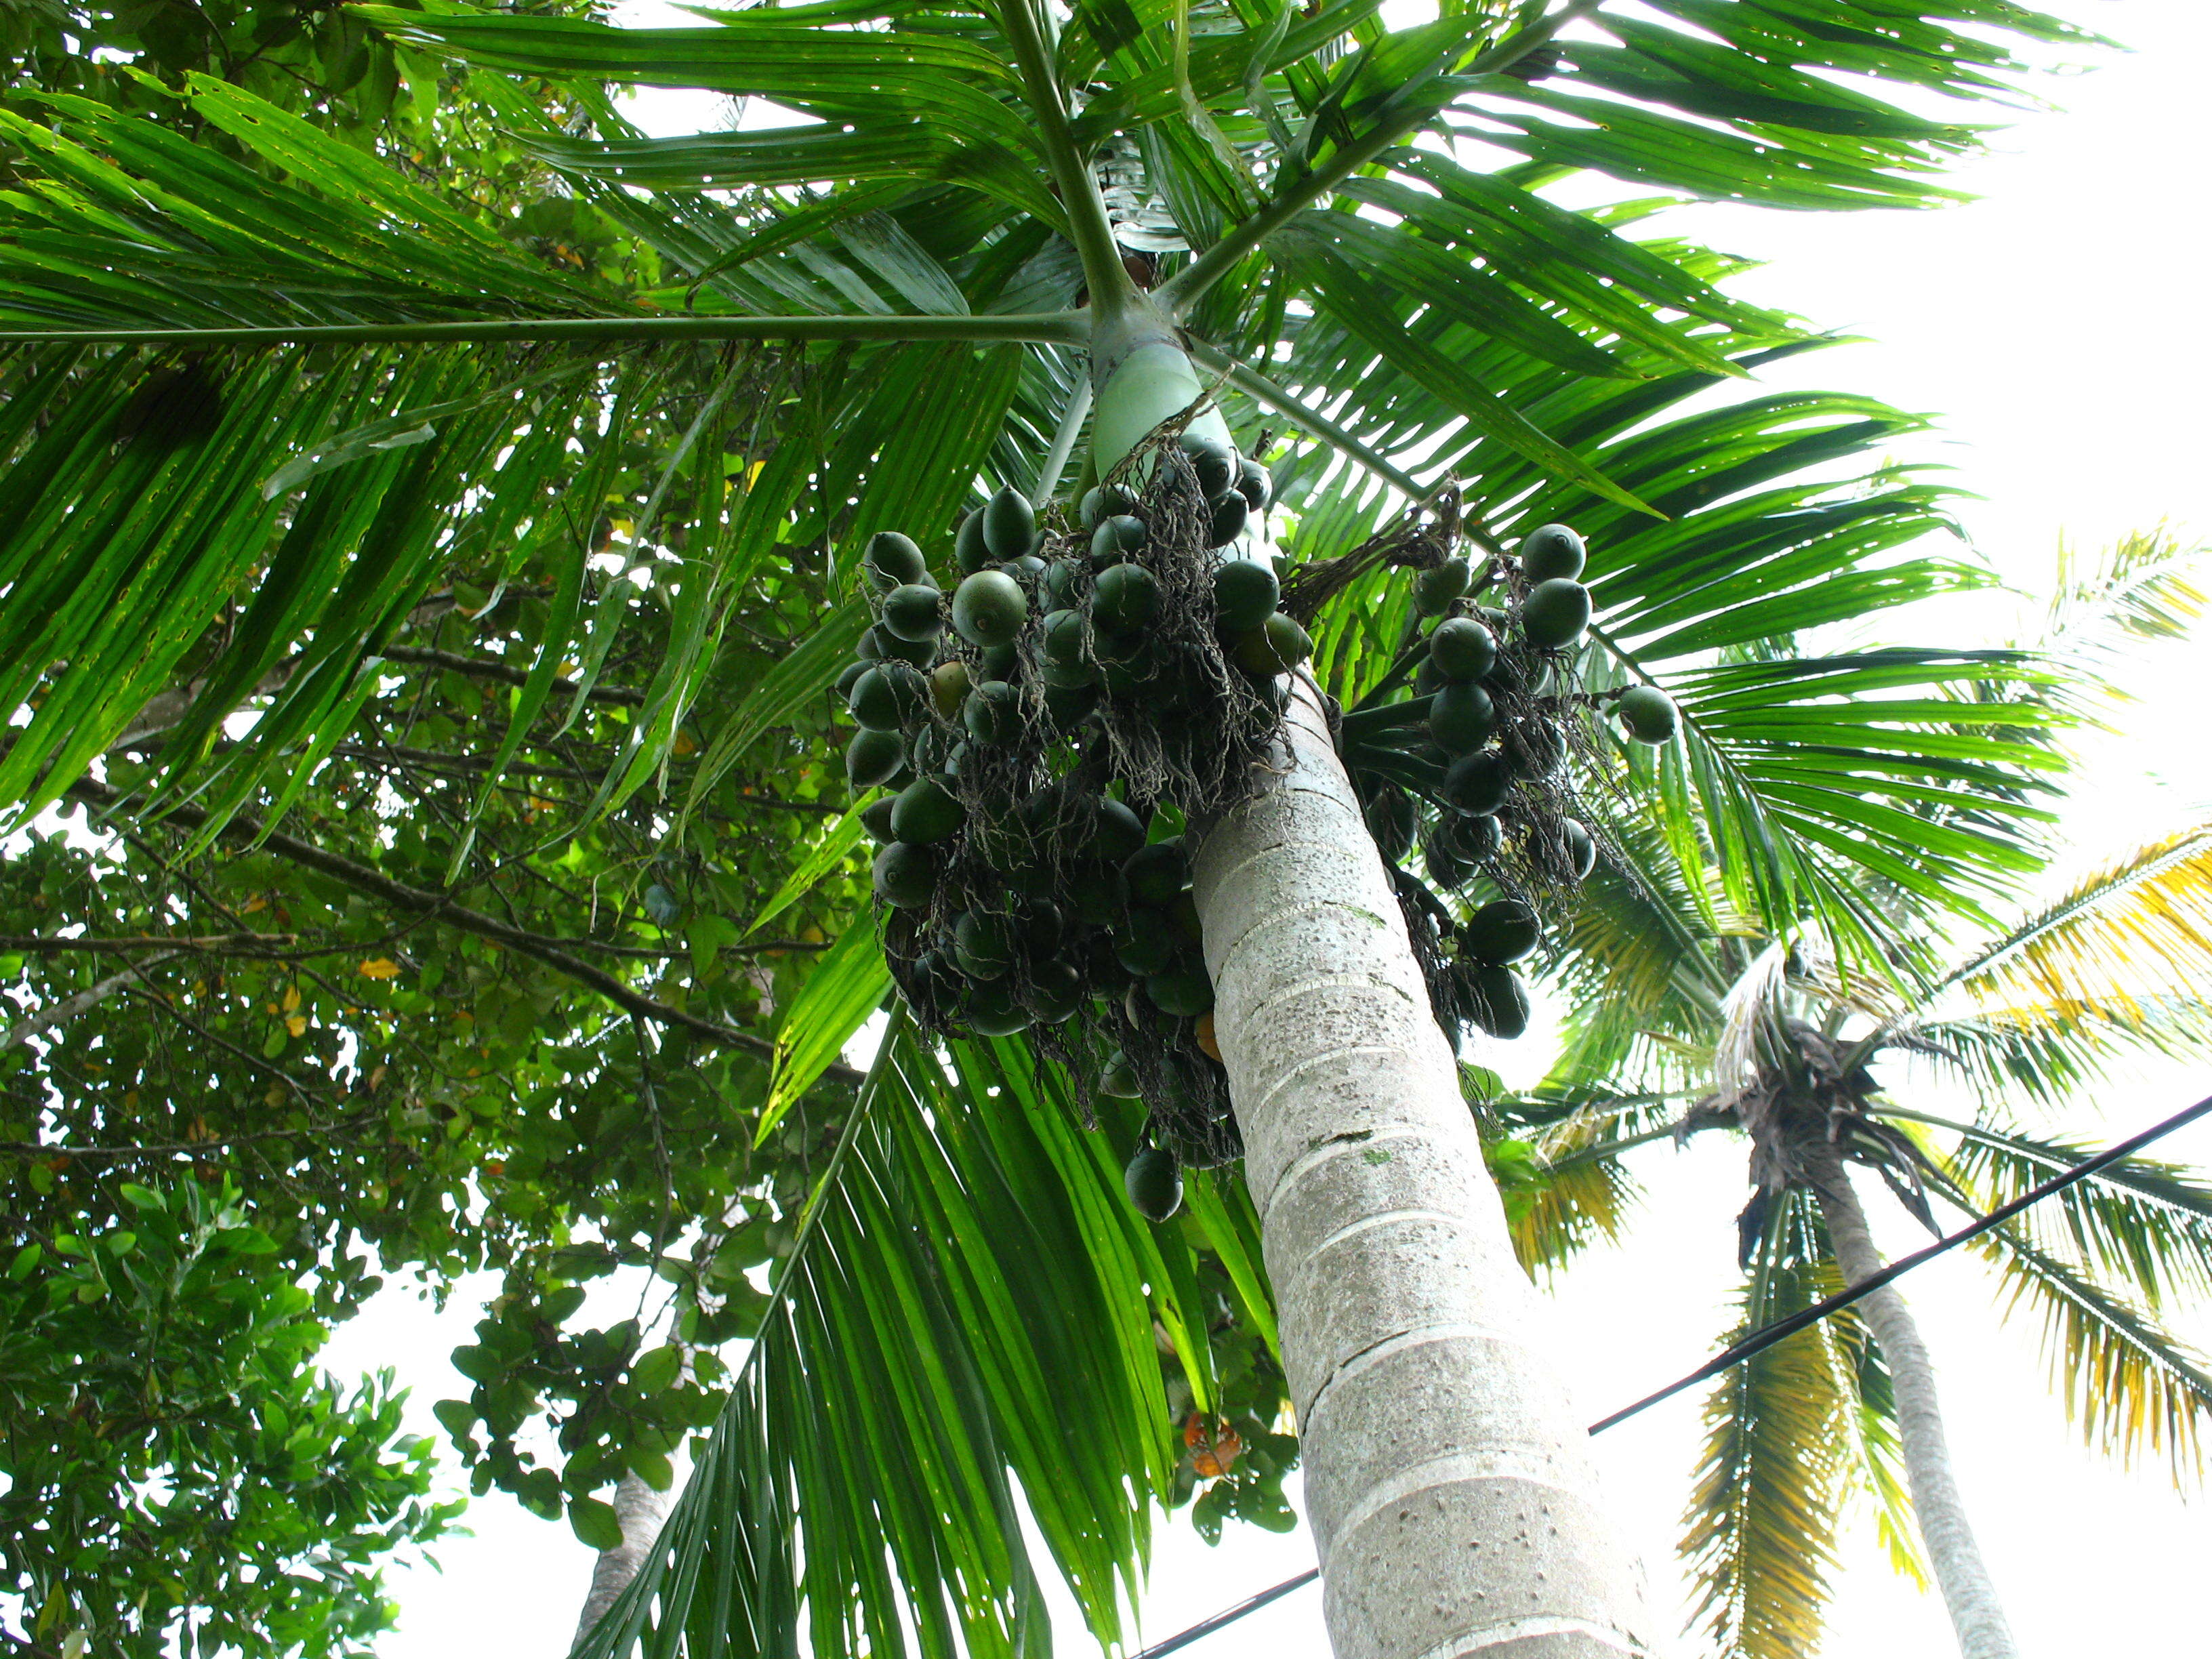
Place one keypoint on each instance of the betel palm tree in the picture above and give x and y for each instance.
(316, 307)
(1762, 1037)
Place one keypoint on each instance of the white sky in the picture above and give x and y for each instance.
(2057, 326)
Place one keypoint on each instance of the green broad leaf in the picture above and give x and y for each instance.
(655, 1370)
(837, 842)
(849, 982)
(595, 1524)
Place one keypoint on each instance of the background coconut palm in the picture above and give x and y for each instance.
(1770, 1039)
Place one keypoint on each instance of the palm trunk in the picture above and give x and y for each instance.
(642, 1510)
(1955, 1558)
(1450, 1490)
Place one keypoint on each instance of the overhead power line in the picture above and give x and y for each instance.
(1767, 1336)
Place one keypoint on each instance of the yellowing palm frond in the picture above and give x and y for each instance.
(2131, 1387)
(1762, 1524)
(2140, 926)
(2120, 961)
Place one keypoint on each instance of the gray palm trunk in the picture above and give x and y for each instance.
(1450, 1488)
(642, 1510)
(1952, 1555)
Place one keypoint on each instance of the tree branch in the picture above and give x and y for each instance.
(60, 1013)
(42, 945)
(557, 954)
(487, 668)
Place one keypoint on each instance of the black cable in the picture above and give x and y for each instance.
(1765, 1337)
(1227, 1616)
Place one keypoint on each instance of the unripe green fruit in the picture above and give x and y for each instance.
(1124, 598)
(1255, 484)
(1182, 991)
(1498, 1001)
(1154, 1184)
(1065, 641)
(1157, 873)
(1462, 649)
(1447, 868)
(1119, 833)
(1461, 717)
(906, 875)
(999, 662)
(1146, 947)
(1116, 538)
(1551, 552)
(1505, 931)
(993, 712)
(989, 608)
(1009, 523)
(948, 687)
(1117, 1077)
(1435, 589)
(1392, 818)
(1244, 595)
(981, 944)
(895, 559)
(913, 612)
(873, 757)
(927, 812)
(1214, 462)
(1055, 992)
(915, 651)
(1580, 847)
(1555, 613)
(1063, 581)
(1476, 839)
(875, 819)
(1649, 714)
(992, 1011)
(1104, 501)
(1228, 513)
(969, 550)
(874, 704)
(850, 678)
(1276, 647)
(1068, 677)
(1477, 784)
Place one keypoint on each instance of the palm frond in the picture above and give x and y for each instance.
(2134, 1390)
(2140, 924)
(2137, 591)
(973, 1318)
(2146, 1224)
(1775, 1466)
(2120, 961)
